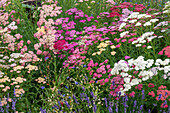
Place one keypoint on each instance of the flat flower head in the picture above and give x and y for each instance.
(127, 57)
(112, 47)
(59, 44)
(151, 85)
(113, 53)
(167, 51)
(152, 94)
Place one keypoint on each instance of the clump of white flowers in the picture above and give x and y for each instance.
(122, 25)
(144, 38)
(124, 33)
(147, 23)
(167, 7)
(136, 15)
(16, 55)
(143, 67)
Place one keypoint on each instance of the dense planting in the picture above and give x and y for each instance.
(88, 56)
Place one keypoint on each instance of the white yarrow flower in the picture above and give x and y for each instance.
(133, 21)
(138, 45)
(122, 25)
(138, 24)
(149, 47)
(154, 20)
(127, 80)
(147, 24)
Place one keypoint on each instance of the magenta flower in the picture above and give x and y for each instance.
(127, 57)
(82, 21)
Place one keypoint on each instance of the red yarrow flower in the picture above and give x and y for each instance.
(166, 50)
(152, 94)
(60, 44)
(132, 94)
(163, 105)
(151, 85)
(113, 14)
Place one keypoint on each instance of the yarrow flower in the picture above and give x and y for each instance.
(60, 44)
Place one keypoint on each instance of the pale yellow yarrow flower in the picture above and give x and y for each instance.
(112, 47)
(93, 54)
(102, 45)
(113, 53)
(31, 67)
(42, 29)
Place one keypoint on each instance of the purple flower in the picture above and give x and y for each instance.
(126, 98)
(143, 94)
(135, 103)
(94, 108)
(56, 106)
(116, 108)
(87, 98)
(67, 104)
(59, 92)
(42, 110)
(111, 104)
(110, 109)
(59, 103)
(14, 92)
(1, 110)
(14, 100)
(76, 83)
(83, 88)
(86, 78)
(149, 111)
(75, 99)
(155, 104)
(92, 94)
(42, 87)
(160, 95)
(105, 99)
(141, 107)
(125, 110)
(81, 95)
(46, 58)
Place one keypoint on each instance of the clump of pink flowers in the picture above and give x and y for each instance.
(165, 50)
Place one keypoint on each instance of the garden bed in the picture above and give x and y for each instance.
(84, 56)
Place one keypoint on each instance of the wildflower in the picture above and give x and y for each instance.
(147, 24)
(56, 106)
(76, 83)
(105, 99)
(152, 94)
(42, 87)
(112, 47)
(39, 52)
(149, 47)
(110, 109)
(94, 108)
(135, 103)
(154, 20)
(60, 44)
(75, 99)
(127, 57)
(151, 85)
(132, 94)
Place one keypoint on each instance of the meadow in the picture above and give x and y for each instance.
(85, 56)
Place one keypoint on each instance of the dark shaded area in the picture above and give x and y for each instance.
(35, 4)
(32, 2)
